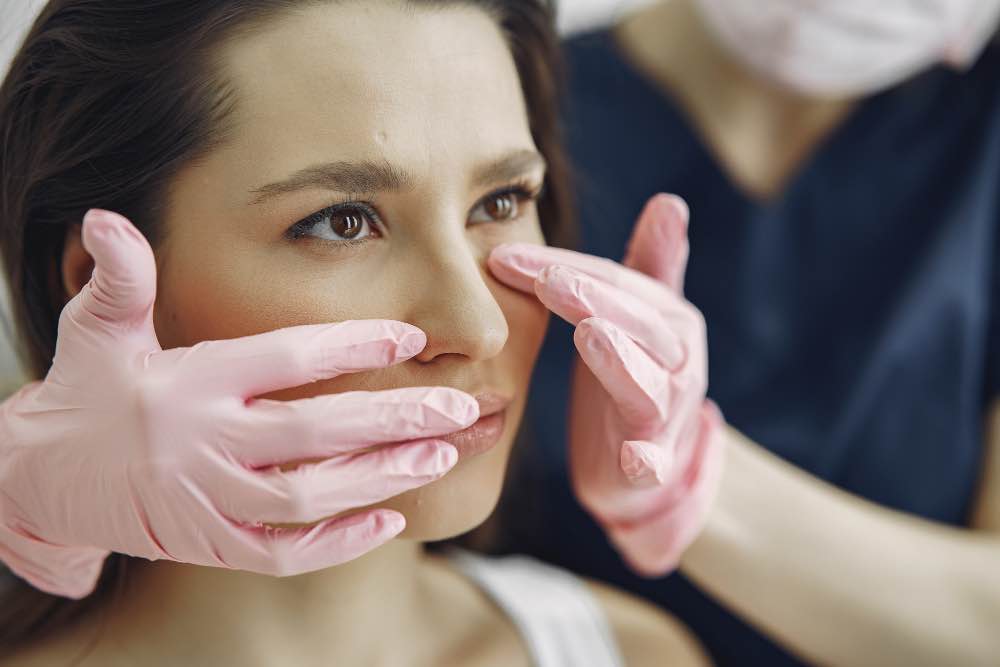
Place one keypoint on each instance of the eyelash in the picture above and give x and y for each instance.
(302, 227)
(523, 189)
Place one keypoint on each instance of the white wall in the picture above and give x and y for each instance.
(577, 15)
(15, 18)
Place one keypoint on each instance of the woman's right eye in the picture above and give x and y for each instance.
(338, 223)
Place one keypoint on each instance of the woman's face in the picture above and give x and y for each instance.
(418, 113)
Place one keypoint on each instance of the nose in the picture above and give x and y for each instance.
(451, 301)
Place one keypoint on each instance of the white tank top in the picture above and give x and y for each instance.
(560, 620)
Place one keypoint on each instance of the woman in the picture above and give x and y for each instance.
(845, 256)
(365, 160)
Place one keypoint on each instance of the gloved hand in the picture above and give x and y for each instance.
(645, 453)
(164, 454)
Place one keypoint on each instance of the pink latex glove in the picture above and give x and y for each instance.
(164, 454)
(645, 453)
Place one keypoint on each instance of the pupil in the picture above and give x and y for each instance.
(501, 207)
(347, 225)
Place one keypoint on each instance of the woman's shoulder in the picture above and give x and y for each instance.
(646, 634)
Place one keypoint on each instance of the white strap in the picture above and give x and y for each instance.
(553, 609)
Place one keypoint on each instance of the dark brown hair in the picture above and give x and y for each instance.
(104, 103)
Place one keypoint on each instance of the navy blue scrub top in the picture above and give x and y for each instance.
(852, 320)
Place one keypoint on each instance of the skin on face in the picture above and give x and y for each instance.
(339, 83)
(431, 93)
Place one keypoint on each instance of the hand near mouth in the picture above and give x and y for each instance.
(179, 460)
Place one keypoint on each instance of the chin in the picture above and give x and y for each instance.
(459, 501)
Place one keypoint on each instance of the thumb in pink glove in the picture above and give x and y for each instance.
(166, 454)
(645, 452)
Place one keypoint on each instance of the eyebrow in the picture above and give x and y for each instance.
(508, 167)
(368, 176)
(342, 176)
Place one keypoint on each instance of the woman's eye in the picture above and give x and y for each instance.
(338, 223)
(497, 208)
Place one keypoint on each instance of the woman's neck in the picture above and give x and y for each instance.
(760, 132)
(341, 615)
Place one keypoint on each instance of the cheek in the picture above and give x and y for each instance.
(215, 296)
(527, 321)
(256, 295)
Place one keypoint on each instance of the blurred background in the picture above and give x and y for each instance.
(17, 15)
(574, 16)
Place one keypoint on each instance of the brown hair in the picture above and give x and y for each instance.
(102, 106)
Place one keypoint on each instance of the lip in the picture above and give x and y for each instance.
(491, 402)
(485, 432)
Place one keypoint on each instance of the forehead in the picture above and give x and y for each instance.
(375, 80)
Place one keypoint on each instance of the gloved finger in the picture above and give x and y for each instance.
(123, 285)
(637, 385)
(316, 491)
(270, 431)
(518, 264)
(113, 311)
(659, 245)
(573, 295)
(284, 552)
(293, 356)
(647, 463)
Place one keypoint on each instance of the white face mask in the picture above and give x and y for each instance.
(850, 47)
